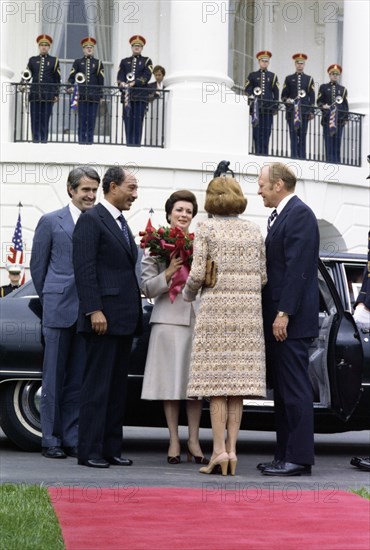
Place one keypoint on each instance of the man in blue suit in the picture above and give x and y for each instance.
(64, 354)
(290, 310)
(104, 258)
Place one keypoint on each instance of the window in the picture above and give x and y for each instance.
(85, 18)
(241, 40)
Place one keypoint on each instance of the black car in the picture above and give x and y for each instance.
(339, 363)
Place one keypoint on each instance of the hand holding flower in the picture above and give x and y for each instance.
(175, 264)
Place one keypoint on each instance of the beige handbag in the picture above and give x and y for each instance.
(211, 274)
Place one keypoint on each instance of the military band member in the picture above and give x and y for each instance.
(264, 86)
(44, 92)
(14, 272)
(332, 98)
(90, 91)
(299, 95)
(133, 75)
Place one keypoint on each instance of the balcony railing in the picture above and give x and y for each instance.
(109, 128)
(346, 137)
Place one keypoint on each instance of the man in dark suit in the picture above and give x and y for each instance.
(332, 98)
(264, 87)
(362, 318)
(64, 354)
(133, 76)
(290, 310)
(90, 92)
(155, 109)
(45, 72)
(299, 95)
(104, 257)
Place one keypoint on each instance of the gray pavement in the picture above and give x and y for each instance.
(147, 447)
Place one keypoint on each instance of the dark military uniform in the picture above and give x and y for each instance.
(45, 72)
(134, 99)
(293, 84)
(7, 289)
(89, 95)
(268, 82)
(327, 94)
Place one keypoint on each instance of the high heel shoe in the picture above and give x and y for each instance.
(221, 460)
(232, 463)
(174, 459)
(197, 459)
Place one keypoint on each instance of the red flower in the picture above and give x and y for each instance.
(167, 242)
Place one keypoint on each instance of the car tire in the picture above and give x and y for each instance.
(20, 413)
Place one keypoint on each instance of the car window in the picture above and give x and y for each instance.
(327, 304)
(354, 275)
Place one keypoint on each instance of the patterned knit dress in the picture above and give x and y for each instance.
(228, 352)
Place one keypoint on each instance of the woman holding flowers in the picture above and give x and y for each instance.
(164, 272)
(228, 355)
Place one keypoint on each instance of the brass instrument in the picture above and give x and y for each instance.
(80, 78)
(338, 100)
(257, 91)
(130, 77)
(301, 95)
(26, 77)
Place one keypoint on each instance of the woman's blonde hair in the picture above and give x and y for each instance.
(224, 197)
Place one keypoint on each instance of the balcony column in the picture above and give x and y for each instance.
(6, 76)
(203, 112)
(356, 54)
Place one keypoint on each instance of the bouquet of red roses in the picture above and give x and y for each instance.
(168, 242)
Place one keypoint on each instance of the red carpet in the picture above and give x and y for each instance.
(211, 518)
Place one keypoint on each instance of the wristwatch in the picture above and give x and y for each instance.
(282, 314)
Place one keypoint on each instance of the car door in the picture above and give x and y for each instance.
(336, 356)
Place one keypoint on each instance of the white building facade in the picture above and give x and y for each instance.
(207, 48)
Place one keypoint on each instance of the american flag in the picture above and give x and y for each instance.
(74, 100)
(16, 251)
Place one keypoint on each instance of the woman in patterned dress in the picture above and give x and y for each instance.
(167, 366)
(228, 354)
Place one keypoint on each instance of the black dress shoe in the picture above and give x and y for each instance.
(361, 463)
(355, 461)
(288, 469)
(262, 465)
(119, 461)
(94, 463)
(71, 451)
(53, 452)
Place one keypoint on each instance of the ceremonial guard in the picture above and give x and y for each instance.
(44, 71)
(299, 95)
(133, 76)
(332, 98)
(262, 87)
(14, 272)
(87, 76)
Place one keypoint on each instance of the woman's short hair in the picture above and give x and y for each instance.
(225, 197)
(182, 195)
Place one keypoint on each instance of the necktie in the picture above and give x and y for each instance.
(271, 219)
(124, 228)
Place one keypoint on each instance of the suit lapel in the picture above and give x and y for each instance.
(112, 225)
(66, 221)
(281, 217)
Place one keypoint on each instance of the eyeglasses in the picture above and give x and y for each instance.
(334, 74)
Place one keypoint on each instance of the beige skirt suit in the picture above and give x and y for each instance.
(166, 374)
